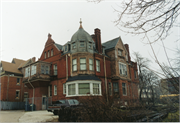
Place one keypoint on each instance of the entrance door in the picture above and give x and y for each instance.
(44, 102)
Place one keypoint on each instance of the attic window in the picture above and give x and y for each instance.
(81, 43)
(48, 53)
(119, 52)
(66, 48)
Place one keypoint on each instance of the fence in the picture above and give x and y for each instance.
(37, 103)
(5, 105)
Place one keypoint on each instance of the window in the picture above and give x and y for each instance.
(126, 57)
(115, 88)
(47, 69)
(50, 90)
(55, 90)
(25, 95)
(33, 70)
(74, 64)
(90, 45)
(90, 64)
(103, 50)
(0, 68)
(66, 48)
(135, 74)
(17, 94)
(73, 45)
(119, 52)
(122, 69)
(82, 63)
(42, 69)
(55, 69)
(98, 65)
(64, 88)
(95, 88)
(51, 52)
(81, 43)
(84, 88)
(45, 55)
(48, 53)
(71, 89)
(110, 88)
(124, 88)
(27, 71)
(18, 81)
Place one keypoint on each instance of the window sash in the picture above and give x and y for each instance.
(73, 45)
(124, 88)
(119, 52)
(48, 53)
(18, 80)
(33, 70)
(64, 88)
(82, 63)
(27, 71)
(47, 69)
(17, 94)
(84, 88)
(122, 69)
(116, 87)
(90, 64)
(90, 45)
(96, 88)
(74, 65)
(55, 90)
(98, 65)
(55, 69)
(71, 89)
(81, 43)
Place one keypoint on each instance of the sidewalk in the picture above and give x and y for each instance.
(38, 116)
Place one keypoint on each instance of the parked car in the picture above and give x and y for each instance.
(60, 105)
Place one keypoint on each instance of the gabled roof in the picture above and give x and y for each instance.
(111, 44)
(10, 67)
(58, 46)
(18, 62)
(24, 63)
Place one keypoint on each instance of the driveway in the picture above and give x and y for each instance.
(22, 116)
(11, 115)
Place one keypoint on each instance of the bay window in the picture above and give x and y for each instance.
(82, 63)
(73, 45)
(81, 43)
(95, 88)
(27, 71)
(33, 70)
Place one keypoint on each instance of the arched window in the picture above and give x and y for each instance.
(51, 52)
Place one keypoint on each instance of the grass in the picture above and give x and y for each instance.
(172, 117)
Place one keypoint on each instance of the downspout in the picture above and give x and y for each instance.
(7, 88)
(31, 85)
(105, 80)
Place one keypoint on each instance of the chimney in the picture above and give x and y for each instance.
(34, 59)
(127, 48)
(98, 40)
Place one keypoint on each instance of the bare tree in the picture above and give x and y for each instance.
(147, 16)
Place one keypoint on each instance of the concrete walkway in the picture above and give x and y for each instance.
(38, 116)
(22, 116)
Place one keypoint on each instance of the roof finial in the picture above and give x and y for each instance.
(80, 23)
(49, 35)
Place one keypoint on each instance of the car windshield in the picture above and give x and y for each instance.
(61, 102)
(73, 102)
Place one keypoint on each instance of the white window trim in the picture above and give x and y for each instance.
(64, 88)
(74, 65)
(91, 64)
(83, 63)
(86, 81)
(55, 89)
(99, 66)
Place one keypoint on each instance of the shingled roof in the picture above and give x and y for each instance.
(58, 46)
(110, 44)
(10, 67)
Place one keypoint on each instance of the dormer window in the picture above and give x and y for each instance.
(81, 43)
(90, 45)
(119, 52)
(73, 45)
(103, 50)
(66, 48)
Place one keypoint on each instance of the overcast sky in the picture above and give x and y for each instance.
(25, 26)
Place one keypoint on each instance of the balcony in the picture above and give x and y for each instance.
(37, 74)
